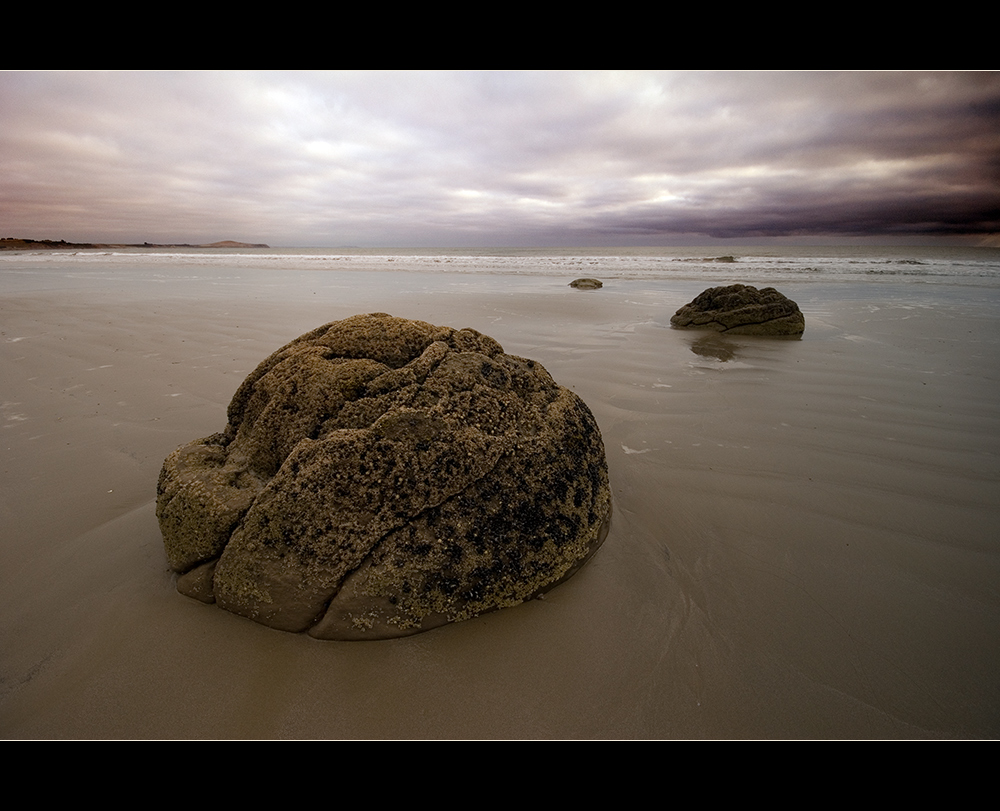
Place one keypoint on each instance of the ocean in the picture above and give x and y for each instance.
(755, 264)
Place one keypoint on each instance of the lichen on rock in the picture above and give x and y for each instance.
(380, 477)
(740, 309)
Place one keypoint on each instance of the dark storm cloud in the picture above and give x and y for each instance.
(448, 158)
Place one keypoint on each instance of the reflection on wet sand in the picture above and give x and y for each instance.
(713, 345)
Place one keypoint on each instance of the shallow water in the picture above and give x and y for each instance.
(804, 541)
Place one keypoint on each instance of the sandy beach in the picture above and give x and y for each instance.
(804, 541)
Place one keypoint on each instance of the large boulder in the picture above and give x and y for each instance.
(740, 309)
(379, 477)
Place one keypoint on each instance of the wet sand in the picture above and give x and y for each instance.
(804, 541)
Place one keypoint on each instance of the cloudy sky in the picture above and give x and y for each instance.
(495, 158)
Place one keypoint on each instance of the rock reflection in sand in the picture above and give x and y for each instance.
(713, 345)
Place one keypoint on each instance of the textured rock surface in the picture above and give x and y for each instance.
(380, 477)
(740, 309)
(587, 284)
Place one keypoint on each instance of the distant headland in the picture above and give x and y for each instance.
(17, 244)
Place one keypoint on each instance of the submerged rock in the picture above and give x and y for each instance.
(586, 284)
(379, 477)
(740, 309)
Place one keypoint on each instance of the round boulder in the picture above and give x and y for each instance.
(587, 284)
(740, 309)
(379, 477)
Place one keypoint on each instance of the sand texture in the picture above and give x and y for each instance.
(804, 541)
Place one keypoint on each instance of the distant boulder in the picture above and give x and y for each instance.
(586, 284)
(379, 477)
(740, 309)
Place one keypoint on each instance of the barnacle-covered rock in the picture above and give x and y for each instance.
(740, 309)
(379, 477)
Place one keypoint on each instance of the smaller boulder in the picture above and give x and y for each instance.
(586, 284)
(740, 309)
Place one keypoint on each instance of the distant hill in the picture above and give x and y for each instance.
(228, 243)
(18, 244)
